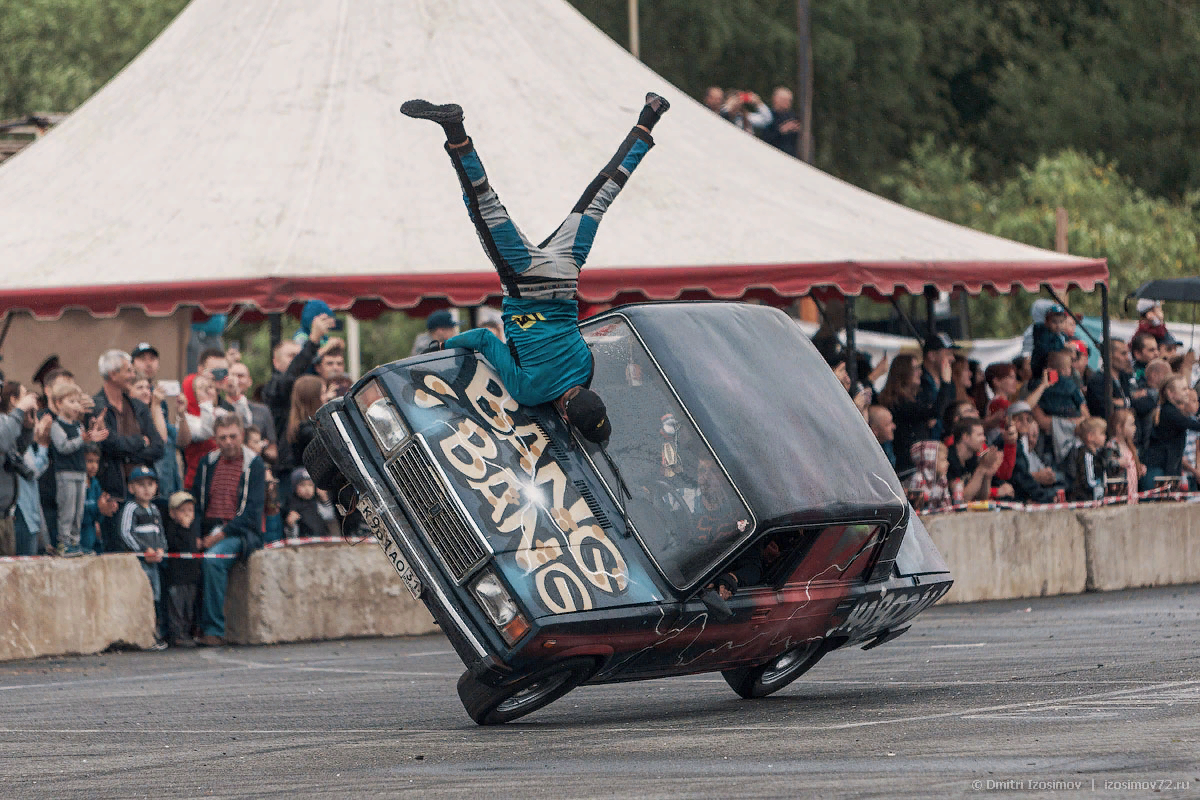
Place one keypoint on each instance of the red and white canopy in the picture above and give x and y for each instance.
(255, 154)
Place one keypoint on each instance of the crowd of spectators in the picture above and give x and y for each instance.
(776, 124)
(1033, 430)
(207, 463)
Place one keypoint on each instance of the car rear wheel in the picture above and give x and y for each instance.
(765, 679)
(491, 705)
(321, 468)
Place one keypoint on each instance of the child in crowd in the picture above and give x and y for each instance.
(255, 440)
(304, 517)
(1163, 454)
(1063, 401)
(89, 533)
(182, 575)
(1122, 440)
(1048, 338)
(1088, 468)
(272, 518)
(928, 487)
(68, 436)
(141, 530)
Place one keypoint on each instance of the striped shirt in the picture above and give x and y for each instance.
(223, 494)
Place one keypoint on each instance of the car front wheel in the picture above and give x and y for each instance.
(765, 679)
(321, 468)
(491, 705)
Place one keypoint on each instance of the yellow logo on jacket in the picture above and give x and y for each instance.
(527, 321)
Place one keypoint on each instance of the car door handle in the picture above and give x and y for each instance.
(760, 614)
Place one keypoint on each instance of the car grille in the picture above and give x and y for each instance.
(453, 537)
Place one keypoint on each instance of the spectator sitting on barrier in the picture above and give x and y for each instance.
(259, 416)
(1122, 439)
(1032, 480)
(141, 531)
(975, 463)
(1088, 464)
(68, 436)
(928, 487)
(880, 421)
(182, 576)
(230, 491)
(1048, 338)
(1063, 402)
(304, 520)
(132, 439)
(1163, 455)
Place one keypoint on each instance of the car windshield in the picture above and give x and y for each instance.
(685, 511)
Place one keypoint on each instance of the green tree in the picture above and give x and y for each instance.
(57, 53)
(1142, 237)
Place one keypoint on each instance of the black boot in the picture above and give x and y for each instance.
(655, 107)
(449, 116)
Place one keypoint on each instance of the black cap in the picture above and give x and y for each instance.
(45, 369)
(939, 341)
(144, 347)
(587, 413)
(440, 319)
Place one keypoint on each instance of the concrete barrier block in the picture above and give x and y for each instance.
(320, 591)
(60, 606)
(999, 555)
(1150, 544)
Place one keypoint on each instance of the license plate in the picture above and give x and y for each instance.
(397, 559)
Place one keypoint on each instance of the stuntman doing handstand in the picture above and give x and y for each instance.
(546, 358)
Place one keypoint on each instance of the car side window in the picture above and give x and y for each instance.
(834, 552)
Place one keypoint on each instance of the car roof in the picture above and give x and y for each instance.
(774, 413)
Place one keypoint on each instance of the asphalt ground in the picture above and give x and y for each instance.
(1092, 695)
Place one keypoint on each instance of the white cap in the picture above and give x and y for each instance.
(1145, 304)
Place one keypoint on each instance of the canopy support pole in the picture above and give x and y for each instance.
(8, 322)
(931, 296)
(353, 347)
(1106, 352)
(851, 351)
(907, 320)
(275, 324)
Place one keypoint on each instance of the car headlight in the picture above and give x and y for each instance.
(495, 601)
(386, 425)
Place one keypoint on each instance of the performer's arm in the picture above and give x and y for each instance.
(496, 352)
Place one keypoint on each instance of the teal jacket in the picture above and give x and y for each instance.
(545, 333)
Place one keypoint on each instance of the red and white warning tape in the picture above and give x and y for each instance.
(190, 556)
(998, 505)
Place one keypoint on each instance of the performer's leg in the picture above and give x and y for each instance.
(507, 248)
(575, 235)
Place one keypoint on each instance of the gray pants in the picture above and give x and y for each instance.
(181, 608)
(8, 535)
(71, 491)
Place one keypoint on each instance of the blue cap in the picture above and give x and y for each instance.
(312, 310)
(440, 319)
(141, 474)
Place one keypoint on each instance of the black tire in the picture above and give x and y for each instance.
(765, 679)
(320, 466)
(491, 705)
